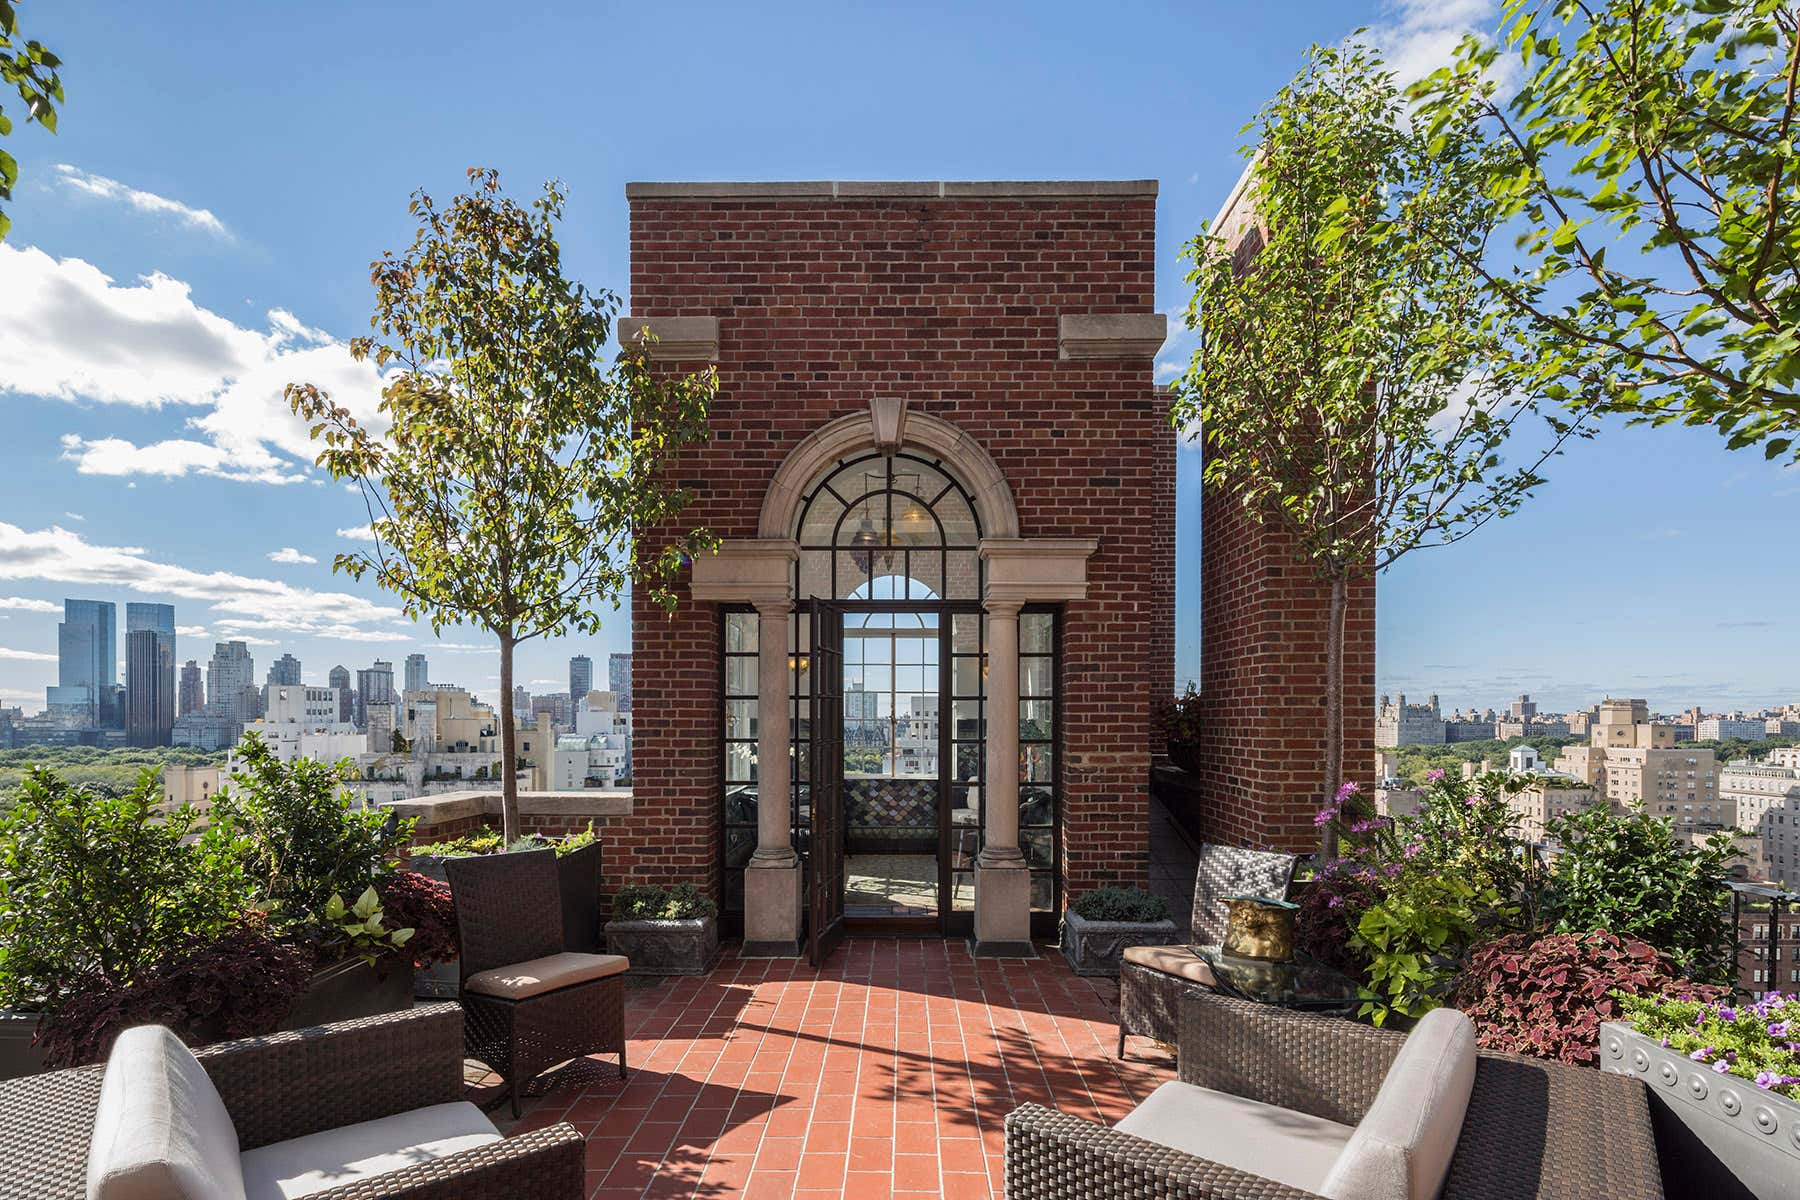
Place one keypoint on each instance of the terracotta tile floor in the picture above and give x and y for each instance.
(887, 1074)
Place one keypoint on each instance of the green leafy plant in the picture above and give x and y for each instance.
(297, 834)
(575, 841)
(461, 847)
(518, 480)
(29, 69)
(412, 901)
(1121, 904)
(1178, 719)
(1629, 873)
(360, 931)
(1756, 1041)
(648, 902)
(1414, 938)
(1546, 995)
(97, 890)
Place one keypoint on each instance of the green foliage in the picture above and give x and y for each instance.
(575, 841)
(521, 481)
(296, 835)
(1414, 761)
(1414, 939)
(1759, 1042)
(27, 68)
(1178, 719)
(648, 902)
(1122, 904)
(112, 771)
(1631, 875)
(1647, 170)
(359, 930)
(101, 888)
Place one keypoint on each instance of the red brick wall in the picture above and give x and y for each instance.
(952, 303)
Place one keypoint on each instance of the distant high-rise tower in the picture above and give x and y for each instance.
(87, 663)
(193, 690)
(618, 679)
(522, 703)
(285, 672)
(581, 676)
(418, 673)
(149, 673)
(375, 685)
(231, 674)
(339, 678)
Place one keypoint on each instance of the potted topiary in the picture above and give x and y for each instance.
(1178, 720)
(664, 931)
(1101, 924)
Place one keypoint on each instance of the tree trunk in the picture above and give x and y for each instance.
(509, 743)
(1334, 707)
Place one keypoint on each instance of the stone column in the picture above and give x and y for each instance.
(772, 878)
(1002, 880)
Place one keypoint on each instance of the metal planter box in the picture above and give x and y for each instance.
(1718, 1136)
(1094, 947)
(688, 947)
(18, 1056)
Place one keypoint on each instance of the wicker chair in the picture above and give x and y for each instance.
(1534, 1130)
(1153, 979)
(528, 1004)
(288, 1085)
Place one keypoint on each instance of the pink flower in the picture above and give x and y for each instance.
(1723, 1068)
(1435, 775)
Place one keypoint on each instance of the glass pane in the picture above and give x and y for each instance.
(959, 521)
(1034, 632)
(734, 891)
(852, 573)
(965, 676)
(965, 630)
(815, 573)
(865, 527)
(1036, 677)
(740, 633)
(962, 891)
(968, 761)
(740, 718)
(1043, 892)
(914, 524)
(821, 519)
(740, 675)
(967, 715)
(926, 569)
(740, 804)
(1039, 846)
(1035, 720)
(1034, 764)
(1036, 807)
(740, 762)
(964, 577)
(740, 844)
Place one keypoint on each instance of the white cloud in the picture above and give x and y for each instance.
(239, 602)
(26, 655)
(358, 533)
(68, 332)
(1419, 36)
(75, 179)
(21, 604)
(465, 647)
(193, 631)
(74, 516)
(287, 554)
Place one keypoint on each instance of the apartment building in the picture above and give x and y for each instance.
(1633, 762)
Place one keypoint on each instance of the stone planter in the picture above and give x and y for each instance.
(666, 947)
(18, 1057)
(1094, 947)
(352, 989)
(1718, 1136)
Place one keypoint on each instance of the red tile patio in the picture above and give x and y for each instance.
(887, 1074)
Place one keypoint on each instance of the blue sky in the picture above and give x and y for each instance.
(200, 231)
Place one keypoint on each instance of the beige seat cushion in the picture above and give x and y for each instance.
(1402, 1147)
(1275, 1143)
(304, 1165)
(1171, 960)
(546, 974)
(161, 1131)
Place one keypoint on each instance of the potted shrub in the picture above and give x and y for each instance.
(664, 931)
(1101, 924)
(1724, 1081)
(1178, 719)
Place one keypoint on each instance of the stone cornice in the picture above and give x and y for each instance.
(677, 339)
(1036, 570)
(746, 571)
(1110, 335)
(948, 189)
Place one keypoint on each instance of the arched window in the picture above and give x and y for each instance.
(894, 527)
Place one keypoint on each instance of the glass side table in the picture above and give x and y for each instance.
(1306, 983)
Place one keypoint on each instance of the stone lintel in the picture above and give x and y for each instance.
(1110, 335)
(948, 189)
(747, 571)
(677, 339)
(1036, 570)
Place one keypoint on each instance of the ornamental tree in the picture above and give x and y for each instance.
(1345, 385)
(29, 69)
(1646, 167)
(515, 467)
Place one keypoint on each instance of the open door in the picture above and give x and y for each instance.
(825, 867)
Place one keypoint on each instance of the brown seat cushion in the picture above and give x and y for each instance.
(1178, 961)
(546, 974)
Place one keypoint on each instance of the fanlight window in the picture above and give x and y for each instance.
(889, 528)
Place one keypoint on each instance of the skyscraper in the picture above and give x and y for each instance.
(375, 685)
(231, 674)
(618, 679)
(87, 662)
(418, 673)
(193, 690)
(339, 678)
(149, 673)
(581, 676)
(285, 672)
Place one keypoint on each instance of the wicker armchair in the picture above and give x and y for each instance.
(1153, 979)
(288, 1085)
(528, 1004)
(1534, 1130)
